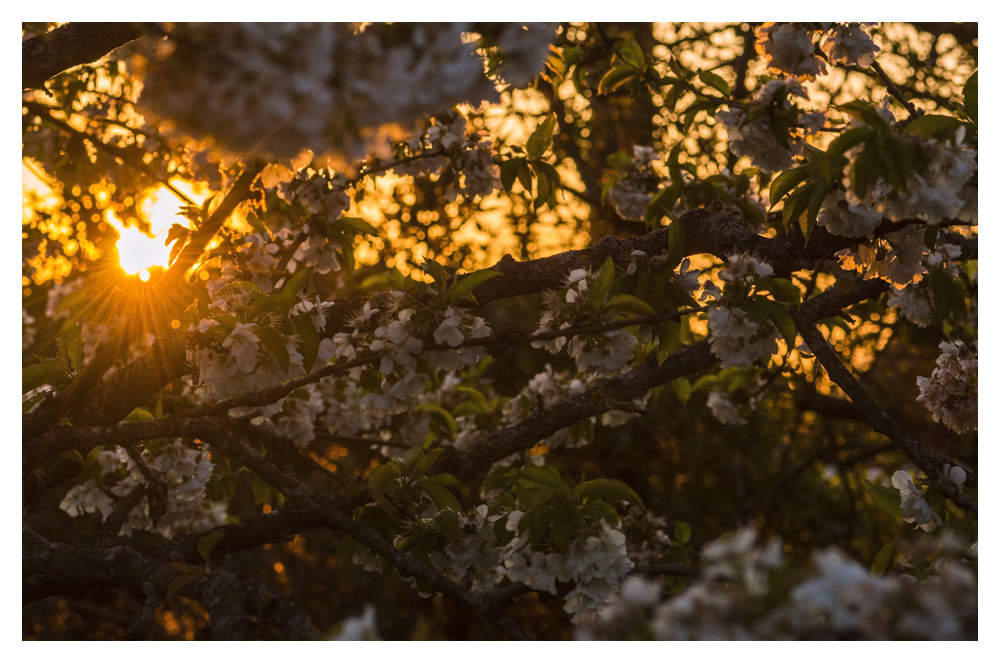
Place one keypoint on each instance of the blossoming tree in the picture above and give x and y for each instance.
(501, 331)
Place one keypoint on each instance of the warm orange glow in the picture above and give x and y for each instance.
(137, 252)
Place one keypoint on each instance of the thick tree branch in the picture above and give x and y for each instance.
(71, 45)
(605, 395)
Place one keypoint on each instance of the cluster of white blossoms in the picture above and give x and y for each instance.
(631, 195)
(184, 471)
(447, 145)
(323, 193)
(394, 385)
(897, 257)
(912, 503)
(951, 393)
(944, 187)
(455, 328)
(277, 88)
(595, 564)
(360, 628)
(755, 137)
(240, 364)
(296, 421)
(790, 50)
(848, 44)
(916, 300)
(605, 353)
(840, 599)
(475, 557)
(842, 214)
(551, 388)
(723, 409)
(735, 338)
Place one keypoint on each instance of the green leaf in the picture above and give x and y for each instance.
(48, 371)
(264, 304)
(783, 287)
(599, 286)
(442, 416)
(138, 415)
(615, 78)
(544, 189)
(180, 582)
(933, 126)
(971, 94)
(446, 479)
(309, 340)
(447, 523)
(930, 236)
(353, 223)
(541, 138)
(546, 475)
(847, 140)
(682, 389)
(381, 477)
(425, 463)
(675, 245)
(345, 552)
(630, 305)
(682, 531)
(785, 182)
(715, 81)
(508, 172)
(294, 284)
(467, 283)
(438, 274)
(409, 460)
(442, 497)
(274, 342)
(473, 394)
(883, 559)
(549, 182)
(69, 345)
(884, 497)
(631, 54)
(72, 455)
(785, 325)
(863, 111)
(207, 542)
(607, 489)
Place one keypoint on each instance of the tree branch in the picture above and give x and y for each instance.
(71, 45)
(926, 458)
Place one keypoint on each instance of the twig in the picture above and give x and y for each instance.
(927, 459)
(894, 91)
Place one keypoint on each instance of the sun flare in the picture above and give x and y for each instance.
(139, 252)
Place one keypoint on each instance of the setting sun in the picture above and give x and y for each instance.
(137, 251)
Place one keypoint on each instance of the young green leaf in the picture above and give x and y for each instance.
(715, 81)
(884, 497)
(469, 282)
(541, 138)
(608, 489)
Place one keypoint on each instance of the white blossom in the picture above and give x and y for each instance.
(790, 49)
(912, 503)
(848, 44)
(723, 409)
(952, 391)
